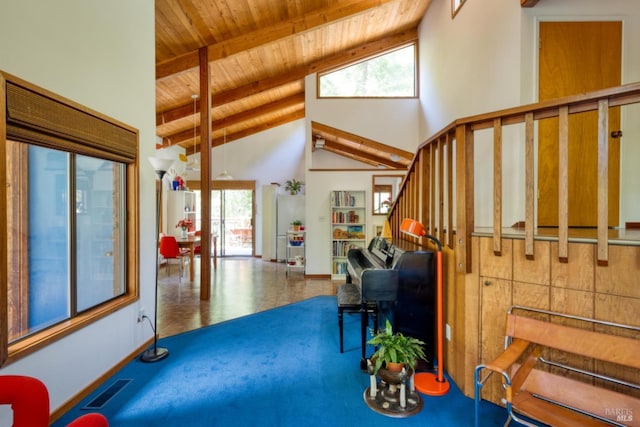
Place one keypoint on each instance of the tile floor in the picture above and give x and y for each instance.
(240, 286)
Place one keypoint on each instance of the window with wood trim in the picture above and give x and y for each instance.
(69, 196)
(392, 74)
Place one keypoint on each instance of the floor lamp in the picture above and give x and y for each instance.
(156, 354)
(428, 382)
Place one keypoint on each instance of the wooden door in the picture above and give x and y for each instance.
(577, 57)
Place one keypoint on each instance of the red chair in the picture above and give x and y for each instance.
(197, 249)
(29, 400)
(169, 250)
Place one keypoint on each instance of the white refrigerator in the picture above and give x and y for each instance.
(288, 209)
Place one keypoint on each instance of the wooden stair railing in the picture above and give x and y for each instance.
(429, 193)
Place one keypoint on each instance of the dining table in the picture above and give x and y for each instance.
(191, 242)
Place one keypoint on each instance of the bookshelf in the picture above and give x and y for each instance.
(180, 205)
(348, 228)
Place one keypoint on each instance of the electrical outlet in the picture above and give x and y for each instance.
(447, 332)
(140, 315)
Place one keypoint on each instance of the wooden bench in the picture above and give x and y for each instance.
(560, 394)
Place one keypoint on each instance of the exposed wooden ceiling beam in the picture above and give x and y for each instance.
(296, 100)
(360, 156)
(364, 51)
(320, 128)
(265, 35)
(291, 76)
(341, 152)
(186, 135)
(299, 114)
(228, 96)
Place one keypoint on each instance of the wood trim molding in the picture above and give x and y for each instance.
(528, 3)
(224, 185)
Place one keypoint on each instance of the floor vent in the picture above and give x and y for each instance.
(104, 397)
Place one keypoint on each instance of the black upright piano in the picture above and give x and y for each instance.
(414, 310)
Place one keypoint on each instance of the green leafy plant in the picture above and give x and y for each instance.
(395, 348)
(293, 186)
(297, 222)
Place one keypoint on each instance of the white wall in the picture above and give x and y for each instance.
(100, 54)
(485, 59)
(392, 122)
(284, 152)
(275, 155)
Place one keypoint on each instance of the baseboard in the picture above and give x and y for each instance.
(318, 276)
(66, 407)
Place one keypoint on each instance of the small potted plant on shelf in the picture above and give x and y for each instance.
(295, 225)
(395, 350)
(293, 186)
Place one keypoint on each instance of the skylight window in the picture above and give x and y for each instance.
(390, 75)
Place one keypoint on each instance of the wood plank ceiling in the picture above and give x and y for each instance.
(259, 53)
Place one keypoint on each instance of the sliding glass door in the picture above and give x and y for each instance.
(232, 217)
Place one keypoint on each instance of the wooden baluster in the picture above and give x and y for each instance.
(449, 190)
(464, 197)
(432, 188)
(563, 184)
(529, 187)
(603, 181)
(497, 186)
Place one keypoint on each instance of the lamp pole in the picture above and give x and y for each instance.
(155, 353)
(428, 382)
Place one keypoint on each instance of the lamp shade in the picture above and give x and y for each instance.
(412, 228)
(224, 176)
(161, 166)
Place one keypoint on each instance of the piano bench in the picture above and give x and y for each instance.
(349, 300)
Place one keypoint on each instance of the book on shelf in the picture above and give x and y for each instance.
(350, 217)
(339, 267)
(343, 198)
(341, 248)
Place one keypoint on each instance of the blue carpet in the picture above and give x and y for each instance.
(280, 367)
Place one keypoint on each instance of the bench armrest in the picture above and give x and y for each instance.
(508, 357)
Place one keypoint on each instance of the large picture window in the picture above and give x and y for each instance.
(67, 211)
(69, 192)
(390, 75)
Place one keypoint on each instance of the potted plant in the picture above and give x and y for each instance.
(395, 350)
(293, 186)
(296, 225)
(185, 225)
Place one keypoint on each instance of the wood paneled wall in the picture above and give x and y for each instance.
(578, 287)
(485, 275)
